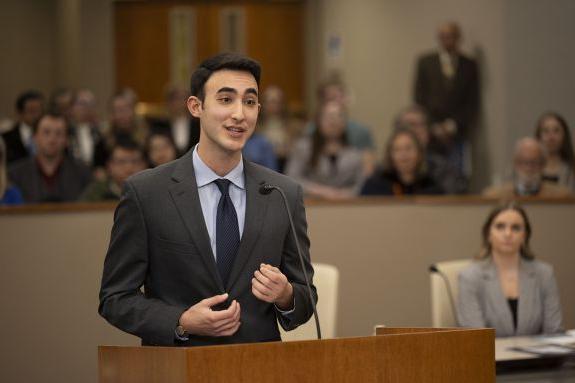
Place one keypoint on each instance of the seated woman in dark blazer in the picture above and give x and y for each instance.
(506, 288)
(403, 169)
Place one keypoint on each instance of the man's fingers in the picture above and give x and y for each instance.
(229, 332)
(231, 319)
(261, 296)
(263, 289)
(228, 313)
(216, 299)
(263, 278)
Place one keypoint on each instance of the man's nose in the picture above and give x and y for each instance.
(238, 111)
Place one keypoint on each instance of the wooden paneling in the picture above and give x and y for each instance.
(142, 48)
(274, 36)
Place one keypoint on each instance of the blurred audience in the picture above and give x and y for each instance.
(358, 136)
(506, 288)
(274, 124)
(553, 133)
(126, 158)
(50, 175)
(447, 86)
(18, 140)
(9, 194)
(403, 171)
(184, 130)
(86, 143)
(325, 163)
(160, 149)
(444, 173)
(123, 124)
(527, 179)
(259, 150)
(60, 102)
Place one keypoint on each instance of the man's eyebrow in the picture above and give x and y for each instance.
(226, 89)
(252, 91)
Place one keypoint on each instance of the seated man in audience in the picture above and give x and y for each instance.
(444, 173)
(50, 175)
(18, 140)
(126, 159)
(87, 144)
(185, 132)
(528, 165)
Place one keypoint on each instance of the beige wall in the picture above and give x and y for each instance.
(54, 43)
(523, 48)
(51, 265)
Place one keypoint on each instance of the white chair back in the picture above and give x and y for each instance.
(441, 311)
(326, 281)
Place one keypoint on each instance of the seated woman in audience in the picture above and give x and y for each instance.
(553, 133)
(9, 194)
(403, 169)
(323, 162)
(160, 149)
(506, 287)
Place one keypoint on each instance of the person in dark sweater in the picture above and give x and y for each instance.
(403, 170)
(50, 175)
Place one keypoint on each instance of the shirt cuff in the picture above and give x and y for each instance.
(286, 313)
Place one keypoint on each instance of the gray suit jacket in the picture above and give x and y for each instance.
(159, 241)
(481, 302)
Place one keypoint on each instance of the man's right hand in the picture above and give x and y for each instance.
(200, 319)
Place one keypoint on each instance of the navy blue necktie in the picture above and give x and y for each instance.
(227, 231)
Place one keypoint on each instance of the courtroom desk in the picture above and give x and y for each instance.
(52, 255)
(517, 366)
(563, 374)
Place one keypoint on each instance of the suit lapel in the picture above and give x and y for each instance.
(527, 292)
(497, 299)
(256, 206)
(185, 195)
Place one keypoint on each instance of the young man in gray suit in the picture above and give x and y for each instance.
(215, 257)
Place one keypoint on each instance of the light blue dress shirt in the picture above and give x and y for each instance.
(210, 194)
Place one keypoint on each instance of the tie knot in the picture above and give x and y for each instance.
(223, 184)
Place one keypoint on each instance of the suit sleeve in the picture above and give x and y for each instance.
(420, 91)
(291, 267)
(122, 302)
(469, 313)
(552, 317)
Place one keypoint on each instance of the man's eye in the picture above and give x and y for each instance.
(250, 102)
(225, 100)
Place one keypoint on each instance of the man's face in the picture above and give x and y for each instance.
(228, 113)
(122, 113)
(448, 36)
(529, 163)
(417, 123)
(50, 137)
(33, 110)
(123, 164)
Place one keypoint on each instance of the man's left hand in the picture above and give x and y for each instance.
(271, 285)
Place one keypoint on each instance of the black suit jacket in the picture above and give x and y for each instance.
(15, 149)
(444, 98)
(159, 241)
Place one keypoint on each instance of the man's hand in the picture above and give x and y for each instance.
(271, 285)
(200, 319)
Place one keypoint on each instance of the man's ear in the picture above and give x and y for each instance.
(194, 106)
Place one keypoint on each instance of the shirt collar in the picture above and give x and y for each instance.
(205, 175)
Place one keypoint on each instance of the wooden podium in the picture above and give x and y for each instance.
(393, 355)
